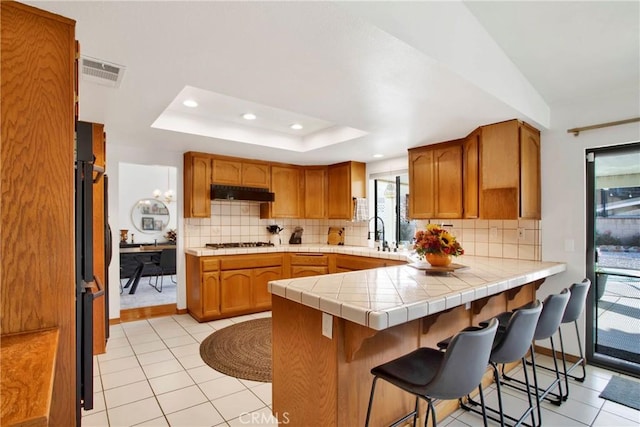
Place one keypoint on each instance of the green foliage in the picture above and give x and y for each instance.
(606, 239)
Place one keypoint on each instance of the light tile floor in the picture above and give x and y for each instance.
(152, 375)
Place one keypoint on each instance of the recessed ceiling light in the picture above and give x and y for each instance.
(296, 126)
(190, 103)
(377, 156)
(249, 116)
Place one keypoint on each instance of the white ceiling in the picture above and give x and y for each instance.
(402, 74)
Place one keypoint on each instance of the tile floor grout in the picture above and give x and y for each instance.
(197, 400)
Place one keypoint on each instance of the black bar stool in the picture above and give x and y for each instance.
(431, 374)
(553, 309)
(573, 311)
(511, 344)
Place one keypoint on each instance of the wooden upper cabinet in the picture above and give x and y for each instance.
(315, 192)
(288, 185)
(530, 194)
(345, 181)
(509, 171)
(470, 177)
(421, 183)
(241, 173)
(197, 185)
(256, 175)
(227, 172)
(435, 181)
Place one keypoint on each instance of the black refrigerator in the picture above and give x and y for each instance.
(87, 287)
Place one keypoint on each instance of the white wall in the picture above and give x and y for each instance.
(564, 180)
(116, 154)
(137, 182)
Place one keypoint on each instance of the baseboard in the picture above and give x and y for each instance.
(132, 314)
(115, 321)
(547, 352)
(182, 311)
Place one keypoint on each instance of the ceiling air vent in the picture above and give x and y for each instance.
(101, 72)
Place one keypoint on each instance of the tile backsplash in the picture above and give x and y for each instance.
(238, 221)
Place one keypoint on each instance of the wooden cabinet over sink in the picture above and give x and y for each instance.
(493, 173)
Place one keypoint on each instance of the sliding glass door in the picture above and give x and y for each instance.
(613, 257)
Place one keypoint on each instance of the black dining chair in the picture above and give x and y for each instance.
(166, 264)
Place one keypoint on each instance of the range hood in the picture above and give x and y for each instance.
(229, 192)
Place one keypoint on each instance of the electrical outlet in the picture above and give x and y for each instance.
(521, 233)
(327, 325)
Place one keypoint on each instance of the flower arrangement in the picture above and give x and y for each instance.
(171, 235)
(436, 240)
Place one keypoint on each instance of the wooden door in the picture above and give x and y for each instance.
(260, 290)
(315, 193)
(529, 173)
(235, 290)
(227, 172)
(421, 184)
(197, 186)
(470, 177)
(210, 293)
(256, 175)
(448, 181)
(287, 184)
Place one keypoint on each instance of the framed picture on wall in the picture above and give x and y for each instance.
(148, 223)
(158, 225)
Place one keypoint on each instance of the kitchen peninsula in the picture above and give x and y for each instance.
(329, 331)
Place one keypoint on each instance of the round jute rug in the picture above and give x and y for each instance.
(242, 350)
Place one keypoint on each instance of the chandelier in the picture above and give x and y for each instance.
(168, 195)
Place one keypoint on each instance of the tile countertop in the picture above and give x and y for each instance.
(385, 297)
(348, 250)
(389, 296)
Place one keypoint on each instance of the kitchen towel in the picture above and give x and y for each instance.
(360, 209)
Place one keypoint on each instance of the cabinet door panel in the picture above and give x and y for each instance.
(315, 193)
(339, 181)
(210, 294)
(529, 173)
(306, 271)
(421, 184)
(448, 177)
(227, 172)
(256, 175)
(470, 176)
(260, 291)
(198, 186)
(287, 184)
(235, 290)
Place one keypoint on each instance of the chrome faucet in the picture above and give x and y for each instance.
(385, 245)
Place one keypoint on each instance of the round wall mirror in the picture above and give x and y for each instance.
(150, 216)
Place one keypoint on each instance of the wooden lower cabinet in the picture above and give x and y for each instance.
(346, 263)
(219, 287)
(259, 286)
(211, 293)
(308, 270)
(309, 264)
(235, 291)
(225, 286)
